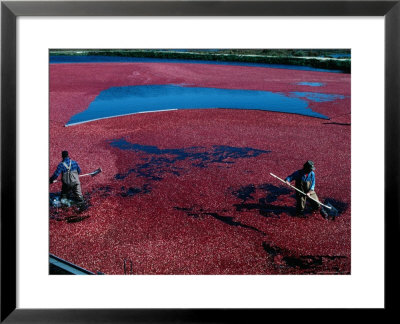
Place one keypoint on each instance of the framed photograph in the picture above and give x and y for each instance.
(207, 159)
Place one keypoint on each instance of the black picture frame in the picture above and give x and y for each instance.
(10, 10)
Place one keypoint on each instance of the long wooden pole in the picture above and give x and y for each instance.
(293, 187)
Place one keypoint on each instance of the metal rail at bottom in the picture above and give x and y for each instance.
(60, 266)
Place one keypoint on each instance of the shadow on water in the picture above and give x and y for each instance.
(273, 192)
(245, 193)
(264, 206)
(265, 209)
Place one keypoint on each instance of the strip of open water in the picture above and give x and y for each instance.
(57, 59)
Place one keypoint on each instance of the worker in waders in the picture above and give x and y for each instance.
(305, 181)
(70, 171)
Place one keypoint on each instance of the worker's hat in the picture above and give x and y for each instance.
(309, 165)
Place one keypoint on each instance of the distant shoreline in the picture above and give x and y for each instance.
(257, 56)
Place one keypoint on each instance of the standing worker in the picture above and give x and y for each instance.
(305, 181)
(70, 171)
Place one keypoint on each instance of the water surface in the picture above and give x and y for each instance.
(57, 59)
(317, 97)
(311, 84)
(120, 101)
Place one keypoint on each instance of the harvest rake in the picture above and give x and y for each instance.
(92, 174)
(328, 208)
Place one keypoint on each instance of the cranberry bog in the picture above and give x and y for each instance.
(189, 191)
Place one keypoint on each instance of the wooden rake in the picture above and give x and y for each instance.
(330, 210)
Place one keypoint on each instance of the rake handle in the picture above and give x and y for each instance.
(293, 187)
(80, 176)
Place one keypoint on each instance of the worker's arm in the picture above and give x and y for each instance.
(78, 169)
(312, 178)
(290, 178)
(56, 173)
(312, 181)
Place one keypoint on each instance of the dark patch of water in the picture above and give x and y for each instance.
(271, 250)
(188, 211)
(310, 261)
(229, 220)
(104, 191)
(133, 191)
(304, 262)
(339, 124)
(161, 161)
